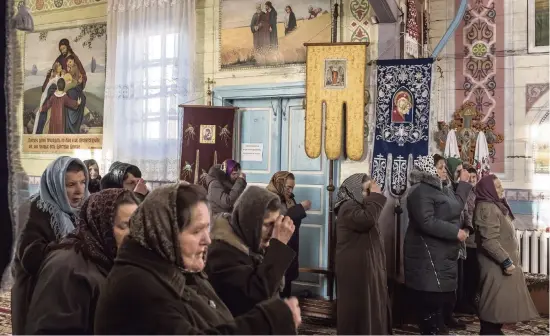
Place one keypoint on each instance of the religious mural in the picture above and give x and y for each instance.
(359, 22)
(271, 33)
(64, 86)
(46, 5)
(480, 76)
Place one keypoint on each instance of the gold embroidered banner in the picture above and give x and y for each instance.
(335, 75)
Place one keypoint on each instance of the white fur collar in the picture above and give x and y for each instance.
(59, 94)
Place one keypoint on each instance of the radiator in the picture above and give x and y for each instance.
(534, 251)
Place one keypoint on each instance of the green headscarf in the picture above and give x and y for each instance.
(452, 164)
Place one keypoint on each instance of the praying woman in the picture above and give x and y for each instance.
(363, 301)
(504, 297)
(72, 275)
(157, 285)
(53, 213)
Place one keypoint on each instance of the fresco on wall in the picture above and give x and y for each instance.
(46, 5)
(480, 78)
(64, 88)
(272, 33)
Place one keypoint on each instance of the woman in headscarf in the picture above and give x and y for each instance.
(224, 183)
(249, 254)
(432, 242)
(95, 179)
(157, 285)
(504, 297)
(362, 289)
(69, 282)
(282, 184)
(53, 212)
(127, 176)
(454, 167)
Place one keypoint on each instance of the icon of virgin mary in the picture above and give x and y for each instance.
(402, 107)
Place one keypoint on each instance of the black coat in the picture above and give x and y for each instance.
(65, 295)
(241, 278)
(431, 245)
(32, 243)
(147, 295)
(296, 213)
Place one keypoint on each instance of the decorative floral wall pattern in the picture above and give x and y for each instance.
(533, 92)
(479, 45)
(45, 5)
(359, 10)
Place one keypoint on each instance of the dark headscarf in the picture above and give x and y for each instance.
(277, 185)
(248, 216)
(94, 236)
(486, 192)
(228, 166)
(115, 177)
(351, 189)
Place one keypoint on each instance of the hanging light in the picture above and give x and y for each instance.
(23, 19)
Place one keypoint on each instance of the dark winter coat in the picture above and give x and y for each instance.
(241, 274)
(363, 301)
(222, 194)
(65, 295)
(296, 213)
(147, 295)
(30, 252)
(431, 247)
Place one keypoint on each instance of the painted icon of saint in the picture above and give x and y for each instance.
(402, 107)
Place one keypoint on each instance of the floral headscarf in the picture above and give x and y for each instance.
(94, 235)
(53, 195)
(425, 164)
(277, 185)
(351, 189)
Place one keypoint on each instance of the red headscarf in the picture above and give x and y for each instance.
(486, 192)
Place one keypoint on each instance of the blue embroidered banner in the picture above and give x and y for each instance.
(402, 120)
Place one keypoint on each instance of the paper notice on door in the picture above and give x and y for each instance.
(252, 152)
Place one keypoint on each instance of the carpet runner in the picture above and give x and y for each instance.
(319, 326)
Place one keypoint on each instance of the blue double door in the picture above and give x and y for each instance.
(277, 126)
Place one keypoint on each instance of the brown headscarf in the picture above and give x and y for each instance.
(486, 192)
(154, 225)
(94, 235)
(277, 185)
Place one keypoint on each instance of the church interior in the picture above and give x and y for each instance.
(323, 90)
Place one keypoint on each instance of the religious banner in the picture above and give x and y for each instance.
(402, 120)
(207, 139)
(64, 89)
(335, 75)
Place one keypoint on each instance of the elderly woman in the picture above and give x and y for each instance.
(225, 183)
(504, 296)
(157, 285)
(431, 246)
(363, 301)
(53, 213)
(282, 184)
(70, 279)
(249, 254)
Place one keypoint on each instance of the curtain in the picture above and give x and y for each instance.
(150, 61)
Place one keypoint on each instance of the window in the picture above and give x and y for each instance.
(160, 79)
(542, 146)
(538, 27)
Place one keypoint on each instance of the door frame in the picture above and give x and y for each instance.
(225, 95)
